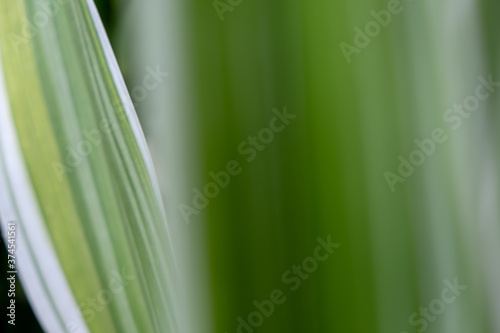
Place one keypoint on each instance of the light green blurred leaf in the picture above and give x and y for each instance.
(77, 178)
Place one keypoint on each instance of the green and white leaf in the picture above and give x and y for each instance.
(76, 177)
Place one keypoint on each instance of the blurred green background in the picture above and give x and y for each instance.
(230, 64)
